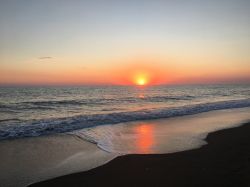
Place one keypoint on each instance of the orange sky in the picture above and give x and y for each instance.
(117, 42)
(120, 72)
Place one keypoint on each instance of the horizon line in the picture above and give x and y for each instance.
(125, 85)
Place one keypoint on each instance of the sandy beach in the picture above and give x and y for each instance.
(28, 160)
(224, 161)
(192, 148)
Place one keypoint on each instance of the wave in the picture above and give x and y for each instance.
(50, 104)
(11, 119)
(62, 125)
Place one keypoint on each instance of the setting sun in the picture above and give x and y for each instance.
(141, 81)
(141, 78)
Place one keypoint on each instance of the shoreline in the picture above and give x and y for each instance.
(224, 161)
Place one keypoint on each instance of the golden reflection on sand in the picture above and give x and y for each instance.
(145, 137)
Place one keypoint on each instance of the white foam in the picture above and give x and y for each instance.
(68, 124)
(29, 160)
(163, 135)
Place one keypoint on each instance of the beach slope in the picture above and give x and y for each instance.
(224, 161)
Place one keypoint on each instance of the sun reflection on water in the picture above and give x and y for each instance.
(145, 138)
(141, 96)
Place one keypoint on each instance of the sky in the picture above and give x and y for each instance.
(115, 41)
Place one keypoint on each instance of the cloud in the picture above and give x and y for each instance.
(45, 57)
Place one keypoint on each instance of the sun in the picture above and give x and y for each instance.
(141, 78)
(141, 81)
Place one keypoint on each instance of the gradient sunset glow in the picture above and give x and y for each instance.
(124, 42)
(141, 78)
(141, 81)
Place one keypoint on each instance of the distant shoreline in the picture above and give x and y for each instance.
(224, 161)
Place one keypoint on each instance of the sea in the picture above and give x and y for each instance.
(36, 111)
(47, 132)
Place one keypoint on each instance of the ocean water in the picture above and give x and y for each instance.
(35, 111)
(162, 135)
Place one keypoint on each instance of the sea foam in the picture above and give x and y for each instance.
(62, 125)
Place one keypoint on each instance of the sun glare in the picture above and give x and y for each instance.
(141, 81)
(141, 78)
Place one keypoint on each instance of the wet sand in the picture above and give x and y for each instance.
(224, 161)
(28, 160)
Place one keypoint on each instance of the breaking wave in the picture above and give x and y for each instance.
(62, 125)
